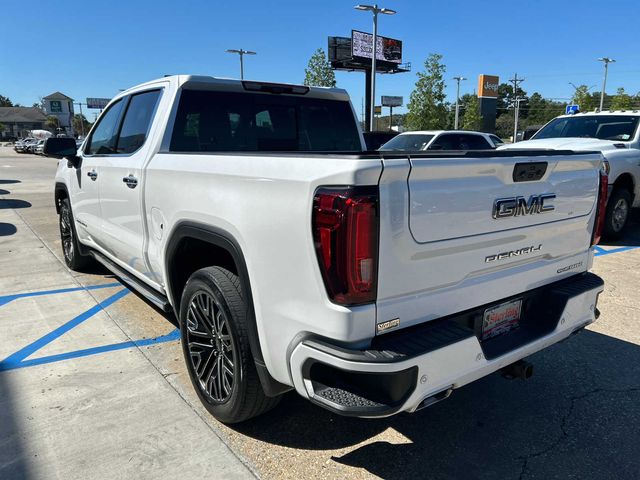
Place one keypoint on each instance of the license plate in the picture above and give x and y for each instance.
(501, 318)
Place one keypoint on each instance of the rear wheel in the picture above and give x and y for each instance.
(215, 343)
(618, 209)
(70, 249)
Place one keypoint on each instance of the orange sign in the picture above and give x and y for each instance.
(488, 86)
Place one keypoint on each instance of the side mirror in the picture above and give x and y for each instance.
(61, 147)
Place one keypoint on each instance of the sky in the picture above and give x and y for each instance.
(95, 48)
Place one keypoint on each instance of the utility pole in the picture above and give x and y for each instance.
(375, 10)
(241, 53)
(456, 122)
(516, 103)
(81, 117)
(606, 61)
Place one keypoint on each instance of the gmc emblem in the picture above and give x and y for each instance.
(516, 206)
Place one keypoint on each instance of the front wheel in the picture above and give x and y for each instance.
(215, 343)
(70, 249)
(618, 209)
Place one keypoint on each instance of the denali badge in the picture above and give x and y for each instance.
(516, 206)
(384, 326)
(512, 253)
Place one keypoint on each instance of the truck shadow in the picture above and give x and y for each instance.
(13, 459)
(572, 418)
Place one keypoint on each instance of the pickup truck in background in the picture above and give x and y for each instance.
(372, 283)
(613, 133)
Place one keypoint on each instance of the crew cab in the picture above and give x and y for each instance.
(370, 282)
(613, 133)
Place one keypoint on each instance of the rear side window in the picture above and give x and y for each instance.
(474, 142)
(257, 122)
(137, 120)
(103, 137)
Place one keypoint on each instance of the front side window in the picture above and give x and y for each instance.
(208, 121)
(103, 137)
(137, 120)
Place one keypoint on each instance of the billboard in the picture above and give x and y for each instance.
(55, 106)
(390, 101)
(488, 86)
(387, 49)
(99, 103)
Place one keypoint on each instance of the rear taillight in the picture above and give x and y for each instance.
(602, 207)
(345, 233)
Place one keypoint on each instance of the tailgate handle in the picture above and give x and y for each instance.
(529, 172)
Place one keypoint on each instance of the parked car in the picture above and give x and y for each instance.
(374, 140)
(442, 140)
(38, 147)
(371, 284)
(21, 145)
(617, 136)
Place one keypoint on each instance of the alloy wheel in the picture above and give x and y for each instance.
(66, 233)
(620, 212)
(210, 343)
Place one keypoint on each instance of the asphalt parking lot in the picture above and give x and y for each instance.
(93, 385)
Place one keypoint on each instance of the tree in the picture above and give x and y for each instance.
(5, 102)
(621, 101)
(52, 123)
(427, 109)
(585, 100)
(319, 72)
(505, 99)
(471, 120)
(81, 124)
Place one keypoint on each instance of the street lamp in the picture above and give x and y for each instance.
(241, 53)
(375, 10)
(458, 80)
(606, 61)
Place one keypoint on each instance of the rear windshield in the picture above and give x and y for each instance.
(410, 142)
(603, 127)
(257, 122)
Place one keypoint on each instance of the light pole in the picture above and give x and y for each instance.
(241, 53)
(458, 80)
(517, 102)
(606, 61)
(375, 10)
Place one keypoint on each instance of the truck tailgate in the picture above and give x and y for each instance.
(459, 230)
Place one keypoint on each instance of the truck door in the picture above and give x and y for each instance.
(120, 183)
(83, 188)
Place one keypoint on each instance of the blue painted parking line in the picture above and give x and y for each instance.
(601, 251)
(4, 299)
(20, 358)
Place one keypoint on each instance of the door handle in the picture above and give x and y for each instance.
(131, 181)
(93, 175)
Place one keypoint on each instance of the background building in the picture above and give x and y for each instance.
(60, 106)
(17, 121)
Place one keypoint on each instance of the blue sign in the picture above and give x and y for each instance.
(572, 109)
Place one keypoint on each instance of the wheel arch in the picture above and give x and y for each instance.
(221, 248)
(626, 180)
(60, 193)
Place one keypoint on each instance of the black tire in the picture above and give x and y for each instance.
(70, 249)
(618, 210)
(215, 343)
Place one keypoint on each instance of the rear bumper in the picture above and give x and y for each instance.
(416, 367)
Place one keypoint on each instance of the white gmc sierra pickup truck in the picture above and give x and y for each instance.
(370, 282)
(613, 133)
